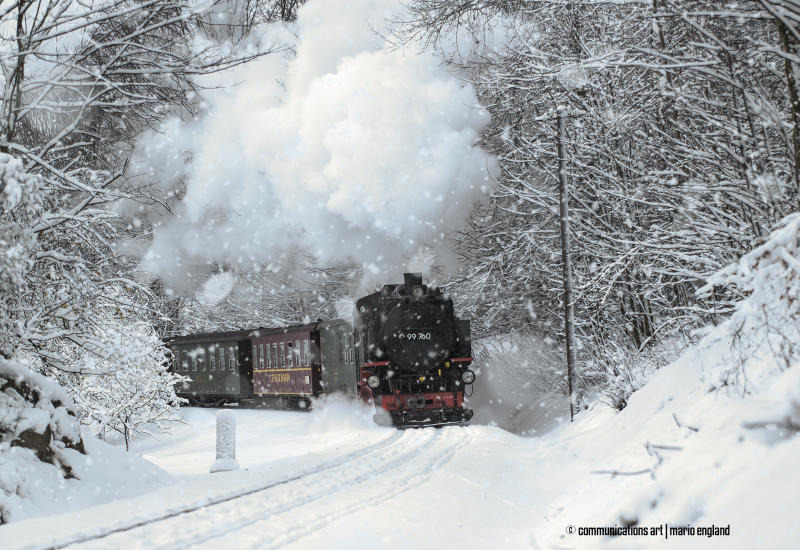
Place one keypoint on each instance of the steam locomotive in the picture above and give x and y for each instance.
(415, 354)
(406, 352)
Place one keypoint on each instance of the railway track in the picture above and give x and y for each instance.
(75, 541)
(281, 512)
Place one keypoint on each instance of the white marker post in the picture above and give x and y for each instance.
(226, 443)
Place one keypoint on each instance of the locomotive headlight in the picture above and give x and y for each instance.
(468, 377)
(373, 381)
(418, 291)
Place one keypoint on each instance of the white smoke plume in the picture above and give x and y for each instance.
(350, 151)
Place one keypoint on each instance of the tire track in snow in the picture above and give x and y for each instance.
(285, 512)
(82, 538)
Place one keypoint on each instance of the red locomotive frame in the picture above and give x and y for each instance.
(415, 409)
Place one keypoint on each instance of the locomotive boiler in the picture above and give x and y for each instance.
(414, 355)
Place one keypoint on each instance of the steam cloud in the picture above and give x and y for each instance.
(368, 154)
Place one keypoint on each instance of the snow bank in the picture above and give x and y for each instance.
(767, 323)
(39, 434)
(710, 440)
(367, 153)
(46, 466)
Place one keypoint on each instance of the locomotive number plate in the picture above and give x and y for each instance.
(420, 334)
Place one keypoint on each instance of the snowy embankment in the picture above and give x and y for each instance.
(685, 452)
(712, 439)
(46, 465)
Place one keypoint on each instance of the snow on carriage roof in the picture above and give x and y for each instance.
(245, 334)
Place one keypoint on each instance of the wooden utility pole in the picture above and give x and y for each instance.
(566, 260)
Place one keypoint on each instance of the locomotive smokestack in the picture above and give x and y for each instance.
(411, 280)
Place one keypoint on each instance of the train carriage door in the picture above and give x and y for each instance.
(352, 374)
(185, 360)
(345, 362)
(246, 364)
(338, 359)
(320, 356)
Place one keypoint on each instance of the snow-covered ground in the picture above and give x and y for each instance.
(328, 478)
(331, 478)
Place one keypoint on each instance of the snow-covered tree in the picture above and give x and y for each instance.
(80, 81)
(107, 337)
(20, 206)
(134, 392)
(298, 291)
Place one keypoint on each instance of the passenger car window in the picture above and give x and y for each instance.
(307, 351)
(283, 354)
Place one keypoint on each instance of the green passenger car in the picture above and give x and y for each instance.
(218, 365)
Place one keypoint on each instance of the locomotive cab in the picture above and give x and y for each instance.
(414, 354)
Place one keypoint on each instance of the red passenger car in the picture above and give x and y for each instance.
(286, 363)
